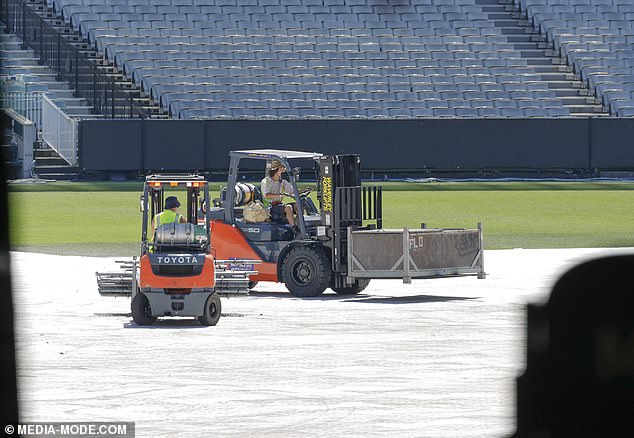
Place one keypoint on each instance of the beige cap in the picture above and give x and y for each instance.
(276, 164)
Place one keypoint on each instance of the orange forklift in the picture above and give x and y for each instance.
(176, 275)
(340, 242)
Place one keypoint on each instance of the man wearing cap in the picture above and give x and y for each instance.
(273, 187)
(170, 214)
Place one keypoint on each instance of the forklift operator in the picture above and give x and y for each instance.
(273, 188)
(170, 214)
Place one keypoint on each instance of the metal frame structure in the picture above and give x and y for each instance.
(408, 268)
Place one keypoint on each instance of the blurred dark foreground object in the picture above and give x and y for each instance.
(579, 378)
(8, 387)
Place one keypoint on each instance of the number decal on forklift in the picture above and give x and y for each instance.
(326, 188)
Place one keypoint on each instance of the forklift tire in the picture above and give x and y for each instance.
(211, 313)
(306, 271)
(141, 310)
(359, 285)
(252, 284)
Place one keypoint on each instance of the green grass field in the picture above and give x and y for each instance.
(104, 218)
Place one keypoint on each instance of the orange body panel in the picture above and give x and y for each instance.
(206, 279)
(228, 242)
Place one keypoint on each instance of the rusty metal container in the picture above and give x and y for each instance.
(415, 253)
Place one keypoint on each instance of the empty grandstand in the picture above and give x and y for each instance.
(351, 58)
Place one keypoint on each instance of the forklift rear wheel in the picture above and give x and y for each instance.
(359, 285)
(306, 271)
(212, 311)
(141, 310)
(252, 284)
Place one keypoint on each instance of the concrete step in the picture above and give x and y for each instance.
(37, 77)
(55, 168)
(58, 176)
(494, 8)
(50, 161)
(18, 62)
(518, 30)
(67, 102)
(572, 92)
(32, 69)
(565, 84)
(542, 60)
(7, 37)
(525, 38)
(579, 100)
(548, 53)
(586, 109)
(11, 53)
(60, 94)
(550, 77)
(511, 23)
(45, 152)
(11, 45)
(551, 69)
(502, 15)
(53, 85)
(77, 111)
(531, 45)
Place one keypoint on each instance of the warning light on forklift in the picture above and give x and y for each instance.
(173, 183)
(155, 184)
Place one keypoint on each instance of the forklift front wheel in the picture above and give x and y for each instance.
(212, 311)
(141, 310)
(306, 271)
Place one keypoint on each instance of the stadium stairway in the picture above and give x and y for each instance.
(16, 62)
(49, 165)
(551, 68)
(89, 53)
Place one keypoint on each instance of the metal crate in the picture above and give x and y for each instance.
(416, 253)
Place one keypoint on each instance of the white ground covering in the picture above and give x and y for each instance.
(436, 358)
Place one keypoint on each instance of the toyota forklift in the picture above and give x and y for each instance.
(176, 274)
(341, 243)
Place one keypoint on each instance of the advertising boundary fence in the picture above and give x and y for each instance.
(424, 145)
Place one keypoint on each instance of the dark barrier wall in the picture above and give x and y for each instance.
(445, 144)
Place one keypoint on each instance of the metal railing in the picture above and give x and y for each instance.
(68, 62)
(60, 131)
(27, 104)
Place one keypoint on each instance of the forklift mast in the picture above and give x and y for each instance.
(345, 203)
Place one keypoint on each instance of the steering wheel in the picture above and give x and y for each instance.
(307, 204)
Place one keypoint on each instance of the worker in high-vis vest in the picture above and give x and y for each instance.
(169, 215)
